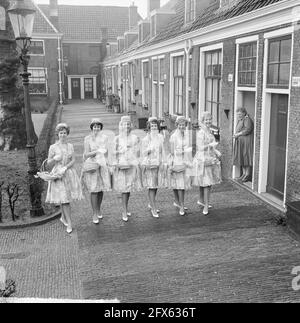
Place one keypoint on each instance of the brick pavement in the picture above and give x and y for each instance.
(237, 254)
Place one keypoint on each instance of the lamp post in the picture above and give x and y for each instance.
(21, 15)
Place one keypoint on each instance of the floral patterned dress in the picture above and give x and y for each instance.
(153, 162)
(126, 169)
(181, 155)
(206, 165)
(99, 180)
(68, 188)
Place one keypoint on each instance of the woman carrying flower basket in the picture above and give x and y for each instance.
(180, 163)
(153, 163)
(206, 165)
(95, 172)
(126, 173)
(66, 187)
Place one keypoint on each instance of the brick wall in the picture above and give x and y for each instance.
(227, 99)
(293, 166)
(81, 58)
(258, 120)
(50, 62)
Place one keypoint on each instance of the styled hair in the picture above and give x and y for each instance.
(62, 126)
(205, 115)
(242, 110)
(125, 119)
(96, 123)
(162, 124)
(180, 119)
(155, 121)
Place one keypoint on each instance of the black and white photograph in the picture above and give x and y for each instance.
(149, 154)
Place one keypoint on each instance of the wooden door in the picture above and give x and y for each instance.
(278, 145)
(88, 88)
(75, 83)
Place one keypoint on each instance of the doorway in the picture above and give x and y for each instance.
(75, 85)
(88, 88)
(277, 145)
(246, 99)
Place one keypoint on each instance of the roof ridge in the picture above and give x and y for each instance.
(45, 17)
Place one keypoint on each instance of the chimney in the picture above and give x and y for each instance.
(152, 5)
(54, 13)
(133, 16)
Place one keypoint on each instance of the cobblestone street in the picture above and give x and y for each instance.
(236, 254)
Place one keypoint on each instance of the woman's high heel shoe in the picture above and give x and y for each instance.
(154, 214)
(150, 208)
(125, 217)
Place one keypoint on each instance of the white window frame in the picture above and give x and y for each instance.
(239, 89)
(202, 88)
(143, 82)
(172, 89)
(161, 87)
(46, 79)
(39, 40)
(266, 113)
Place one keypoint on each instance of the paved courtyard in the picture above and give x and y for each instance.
(236, 254)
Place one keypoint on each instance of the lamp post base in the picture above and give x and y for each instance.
(35, 213)
(35, 196)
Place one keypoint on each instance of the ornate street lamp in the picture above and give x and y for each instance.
(21, 14)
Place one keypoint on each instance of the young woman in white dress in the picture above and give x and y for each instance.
(179, 163)
(206, 165)
(126, 173)
(67, 188)
(153, 163)
(96, 180)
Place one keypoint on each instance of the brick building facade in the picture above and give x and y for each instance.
(68, 44)
(220, 55)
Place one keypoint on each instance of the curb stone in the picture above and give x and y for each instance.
(35, 223)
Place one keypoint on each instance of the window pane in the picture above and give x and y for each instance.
(208, 89)
(285, 51)
(274, 51)
(273, 74)
(215, 114)
(36, 48)
(215, 90)
(253, 78)
(208, 106)
(284, 74)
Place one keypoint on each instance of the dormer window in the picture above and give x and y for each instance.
(2, 19)
(190, 11)
(144, 30)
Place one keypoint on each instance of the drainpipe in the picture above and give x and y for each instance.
(59, 70)
(188, 49)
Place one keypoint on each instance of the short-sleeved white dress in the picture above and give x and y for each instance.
(206, 166)
(99, 180)
(126, 170)
(153, 162)
(181, 157)
(68, 188)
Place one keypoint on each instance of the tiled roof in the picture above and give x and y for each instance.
(211, 15)
(41, 25)
(84, 23)
(208, 17)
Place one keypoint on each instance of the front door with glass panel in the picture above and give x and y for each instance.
(75, 84)
(278, 145)
(88, 88)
